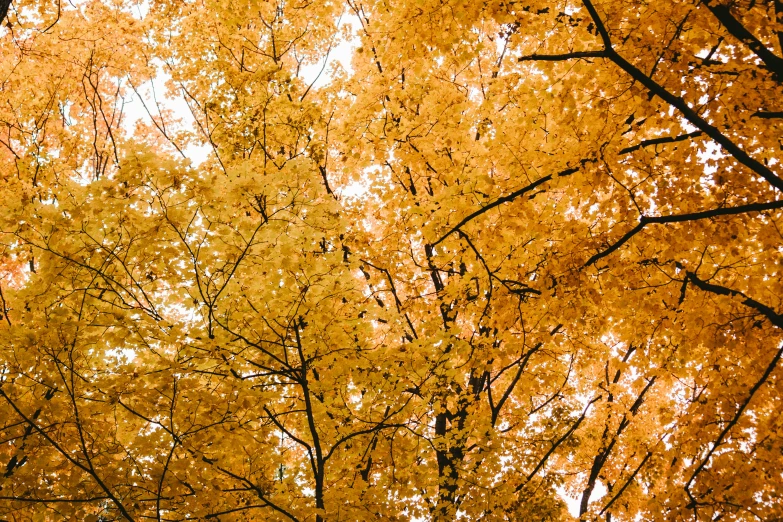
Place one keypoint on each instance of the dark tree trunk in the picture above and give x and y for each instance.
(4, 5)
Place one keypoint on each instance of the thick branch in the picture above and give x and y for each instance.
(218, 514)
(769, 115)
(3, 304)
(259, 492)
(380, 426)
(675, 101)
(603, 455)
(772, 316)
(741, 33)
(4, 5)
(679, 218)
(562, 57)
(657, 141)
(734, 420)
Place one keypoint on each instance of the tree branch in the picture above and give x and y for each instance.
(679, 218)
(680, 104)
(4, 5)
(557, 443)
(769, 115)
(627, 483)
(53, 500)
(562, 57)
(657, 141)
(69, 457)
(772, 316)
(505, 199)
(741, 33)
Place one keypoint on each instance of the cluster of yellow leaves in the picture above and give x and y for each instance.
(521, 262)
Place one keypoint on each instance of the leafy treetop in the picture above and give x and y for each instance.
(519, 252)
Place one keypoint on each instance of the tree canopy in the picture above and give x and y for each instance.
(513, 253)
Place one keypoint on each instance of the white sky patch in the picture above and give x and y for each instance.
(153, 100)
(599, 491)
(359, 188)
(571, 502)
(713, 152)
(320, 74)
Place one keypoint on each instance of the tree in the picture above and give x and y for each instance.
(518, 253)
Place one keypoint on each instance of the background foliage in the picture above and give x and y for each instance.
(518, 252)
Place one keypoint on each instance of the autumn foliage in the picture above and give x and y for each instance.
(514, 253)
